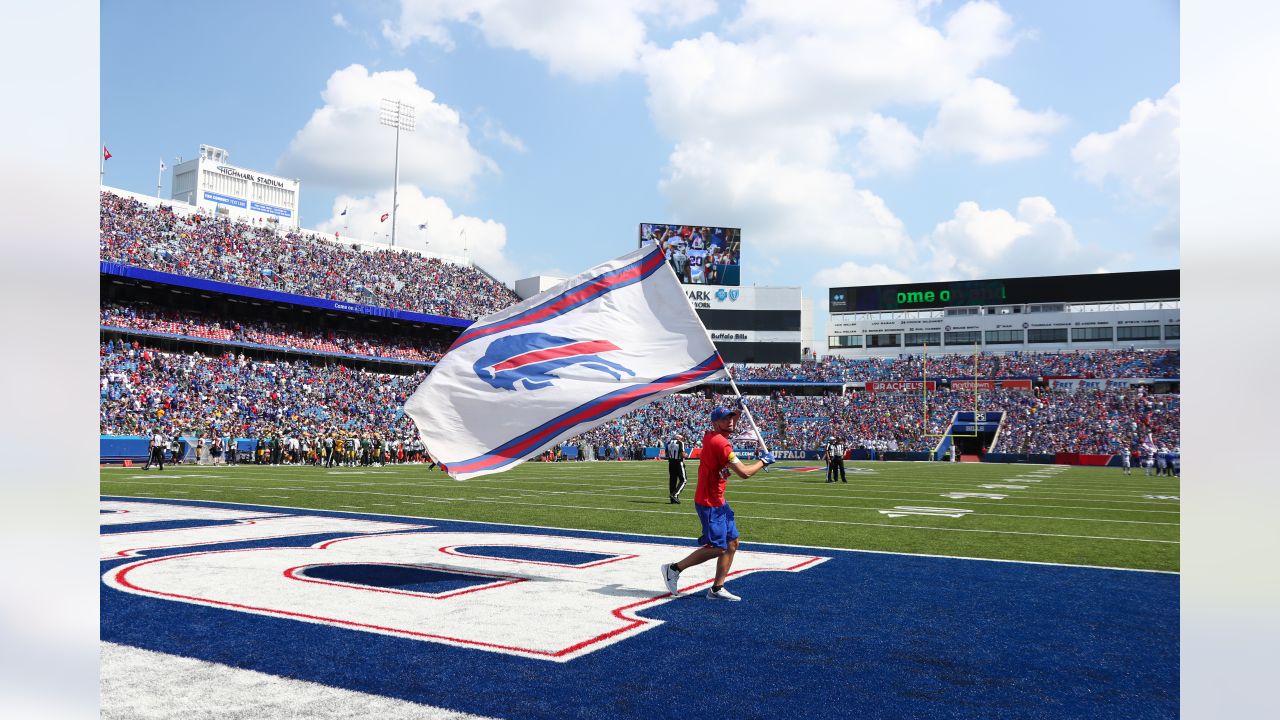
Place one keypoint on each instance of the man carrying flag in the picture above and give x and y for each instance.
(719, 537)
(597, 346)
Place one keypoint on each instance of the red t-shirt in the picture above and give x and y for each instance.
(713, 469)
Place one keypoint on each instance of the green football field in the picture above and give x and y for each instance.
(1056, 514)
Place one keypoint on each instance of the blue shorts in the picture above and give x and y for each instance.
(718, 527)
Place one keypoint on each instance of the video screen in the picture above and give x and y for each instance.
(700, 254)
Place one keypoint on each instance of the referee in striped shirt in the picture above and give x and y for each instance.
(676, 453)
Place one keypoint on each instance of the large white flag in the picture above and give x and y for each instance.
(599, 345)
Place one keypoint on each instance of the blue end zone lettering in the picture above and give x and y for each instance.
(538, 555)
(857, 635)
(405, 578)
(162, 525)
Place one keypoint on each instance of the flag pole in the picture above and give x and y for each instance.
(755, 428)
(745, 408)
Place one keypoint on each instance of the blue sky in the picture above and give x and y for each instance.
(855, 142)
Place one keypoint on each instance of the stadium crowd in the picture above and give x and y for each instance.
(1101, 363)
(195, 245)
(144, 390)
(151, 318)
(1098, 421)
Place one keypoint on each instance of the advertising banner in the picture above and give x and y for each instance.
(991, 384)
(272, 209)
(224, 199)
(1074, 384)
(899, 386)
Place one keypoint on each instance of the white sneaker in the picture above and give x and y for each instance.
(721, 594)
(671, 577)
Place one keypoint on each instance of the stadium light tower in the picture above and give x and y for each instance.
(398, 115)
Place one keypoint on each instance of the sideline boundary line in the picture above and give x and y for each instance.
(682, 537)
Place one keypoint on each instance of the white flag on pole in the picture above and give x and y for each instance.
(611, 340)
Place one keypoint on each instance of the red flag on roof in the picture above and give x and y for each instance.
(106, 154)
(384, 217)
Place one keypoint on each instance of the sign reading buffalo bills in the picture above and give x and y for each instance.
(532, 357)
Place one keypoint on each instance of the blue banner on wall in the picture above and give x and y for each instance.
(137, 273)
(224, 199)
(263, 207)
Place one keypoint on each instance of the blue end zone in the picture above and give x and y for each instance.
(534, 554)
(861, 635)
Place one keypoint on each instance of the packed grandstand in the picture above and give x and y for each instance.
(258, 375)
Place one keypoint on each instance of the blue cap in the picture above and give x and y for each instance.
(721, 413)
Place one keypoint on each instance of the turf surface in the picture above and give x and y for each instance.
(1071, 515)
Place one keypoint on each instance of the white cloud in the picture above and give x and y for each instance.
(784, 204)
(584, 39)
(851, 274)
(984, 119)
(340, 21)
(343, 145)
(1142, 155)
(773, 119)
(492, 130)
(887, 145)
(838, 64)
(977, 243)
(484, 241)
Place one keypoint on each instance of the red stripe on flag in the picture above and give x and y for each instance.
(584, 347)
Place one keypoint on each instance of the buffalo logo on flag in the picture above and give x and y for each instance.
(531, 357)
(595, 347)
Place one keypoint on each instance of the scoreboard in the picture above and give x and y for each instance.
(1052, 313)
(1096, 287)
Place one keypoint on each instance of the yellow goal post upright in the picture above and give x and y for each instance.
(924, 389)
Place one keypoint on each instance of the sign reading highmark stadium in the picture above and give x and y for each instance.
(210, 182)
